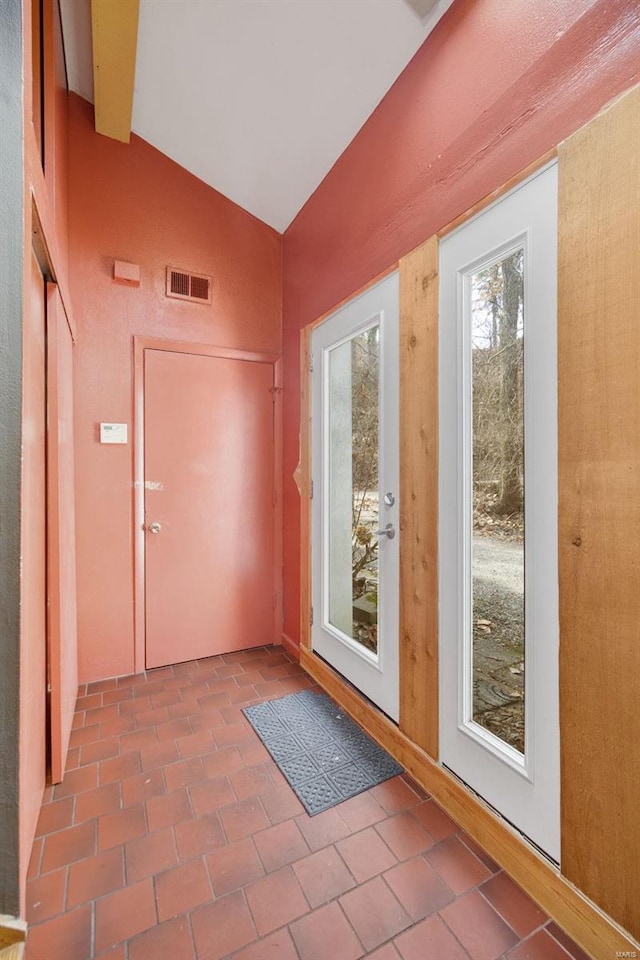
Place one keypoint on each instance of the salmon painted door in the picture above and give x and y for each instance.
(209, 505)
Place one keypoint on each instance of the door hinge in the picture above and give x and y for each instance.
(311, 490)
(310, 616)
(311, 362)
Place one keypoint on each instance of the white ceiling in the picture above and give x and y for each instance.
(258, 98)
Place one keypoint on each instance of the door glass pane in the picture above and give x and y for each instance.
(498, 603)
(352, 580)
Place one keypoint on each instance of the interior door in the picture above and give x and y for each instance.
(209, 505)
(354, 440)
(498, 508)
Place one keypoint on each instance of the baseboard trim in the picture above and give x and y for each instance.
(292, 648)
(595, 932)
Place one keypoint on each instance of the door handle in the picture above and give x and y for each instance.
(389, 531)
(154, 527)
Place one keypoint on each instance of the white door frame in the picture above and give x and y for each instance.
(525, 789)
(377, 677)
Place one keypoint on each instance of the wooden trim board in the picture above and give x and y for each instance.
(114, 33)
(596, 933)
(599, 507)
(419, 496)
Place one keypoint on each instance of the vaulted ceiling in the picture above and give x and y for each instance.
(258, 98)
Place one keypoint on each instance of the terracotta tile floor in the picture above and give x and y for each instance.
(174, 836)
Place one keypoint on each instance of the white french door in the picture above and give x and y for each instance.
(355, 511)
(498, 508)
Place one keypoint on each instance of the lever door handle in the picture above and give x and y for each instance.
(389, 531)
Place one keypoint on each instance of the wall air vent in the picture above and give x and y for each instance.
(183, 285)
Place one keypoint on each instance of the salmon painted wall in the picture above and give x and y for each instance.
(129, 202)
(33, 680)
(494, 87)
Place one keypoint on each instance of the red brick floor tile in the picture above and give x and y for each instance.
(538, 947)
(483, 934)
(168, 941)
(169, 810)
(150, 718)
(166, 698)
(119, 768)
(195, 744)
(323, 829)
(281, 803)
(115, 728)
(277, 946)
(69, 845)
(46, 896)
(158, 755)
(174, 729)
(513, 905)
(222, 927)
(124, 914)
(478, 852)
(208, 795)
(89, 702)
(65, 937)
(231, 734)
(222, 762)
(82, 735)
(280, 845)
(143, 786)
(33, 870)
(457, 866)
(138, 705)
(361, 811)
(565, 940)
(117, 694)
(251, 781)
(435, 820)
(430, 940)
(243, 818)
(98, 802)
(185, 708)
(148, 855)
(253, 752)
(95, 877)
(134, 741)
(73, 759)
(101, 750)
(276, 900)
(182, 888)
(77, 781)
(387, 952)
(117, 828)
(115, 953)
(326, 933)
(395, 795)
(233, 866)
(323, 876)
(366, 854)
(418, 888)
(404, 836)
(55, 816)
(183, 773)
(374, 913)
(199, 836)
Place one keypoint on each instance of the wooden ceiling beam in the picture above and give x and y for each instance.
(114, 26)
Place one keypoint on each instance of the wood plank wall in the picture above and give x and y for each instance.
(599, 508)
(419, 496)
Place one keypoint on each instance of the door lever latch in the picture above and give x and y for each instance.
(389, 531)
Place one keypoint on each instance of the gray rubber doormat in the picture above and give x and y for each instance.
(323, 754)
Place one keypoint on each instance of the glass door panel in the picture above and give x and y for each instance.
(353, 485)
(495, 312)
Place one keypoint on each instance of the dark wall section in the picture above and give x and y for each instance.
(11, 247)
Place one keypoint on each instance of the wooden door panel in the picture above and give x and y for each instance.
(209, 481)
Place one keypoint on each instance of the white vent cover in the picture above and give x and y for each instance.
(184, 285)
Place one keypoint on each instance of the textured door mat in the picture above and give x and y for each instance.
(323, 754)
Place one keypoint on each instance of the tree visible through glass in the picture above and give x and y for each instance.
(498, 601)
(354, 374)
